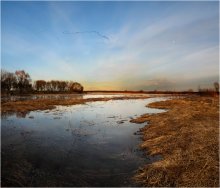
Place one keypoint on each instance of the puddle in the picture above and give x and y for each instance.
(80, 145)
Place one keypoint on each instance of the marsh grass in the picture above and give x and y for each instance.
(187, 136)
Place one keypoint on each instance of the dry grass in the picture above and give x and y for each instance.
(187, 136)
(45, 104)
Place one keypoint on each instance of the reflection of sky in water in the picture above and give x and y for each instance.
(97, 134)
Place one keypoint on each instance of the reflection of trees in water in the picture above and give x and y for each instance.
(18, 114)
(15, 98)
(7, 113)
(35, 97)
(21, 114)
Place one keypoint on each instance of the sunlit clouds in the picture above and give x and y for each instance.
(114, 45)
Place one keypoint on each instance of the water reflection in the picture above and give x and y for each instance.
(44, 96)
(81, 145)
(18, 114)
(67, 96)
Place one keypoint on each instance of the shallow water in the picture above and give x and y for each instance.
(72, 96)
(59, 96)
(80, 145)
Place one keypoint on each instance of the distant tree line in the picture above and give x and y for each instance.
(20, 82)
(57, 85)
(209, 91)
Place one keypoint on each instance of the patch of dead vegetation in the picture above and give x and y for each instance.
(187, 136)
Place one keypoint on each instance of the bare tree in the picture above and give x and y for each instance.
(40, 85)
(75, 87)
(23, 80)
(8, 81)
(216, 86)
(62, 85)
(54, 85)
(48, 86)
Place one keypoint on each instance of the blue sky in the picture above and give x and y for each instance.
(114, 45)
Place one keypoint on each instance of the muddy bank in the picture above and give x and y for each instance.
(187, 136)
(50, 103)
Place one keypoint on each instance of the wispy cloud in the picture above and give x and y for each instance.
(86, 32)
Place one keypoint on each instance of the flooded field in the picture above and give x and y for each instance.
(81, 145)
(70, 96)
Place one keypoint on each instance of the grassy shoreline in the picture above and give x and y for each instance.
(187, 137)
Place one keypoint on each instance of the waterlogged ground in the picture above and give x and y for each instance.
(80, 145)
(71, 96)
(59, 96)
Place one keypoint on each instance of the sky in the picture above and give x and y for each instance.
(113, 45)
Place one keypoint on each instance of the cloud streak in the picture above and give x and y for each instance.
(86, 32)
